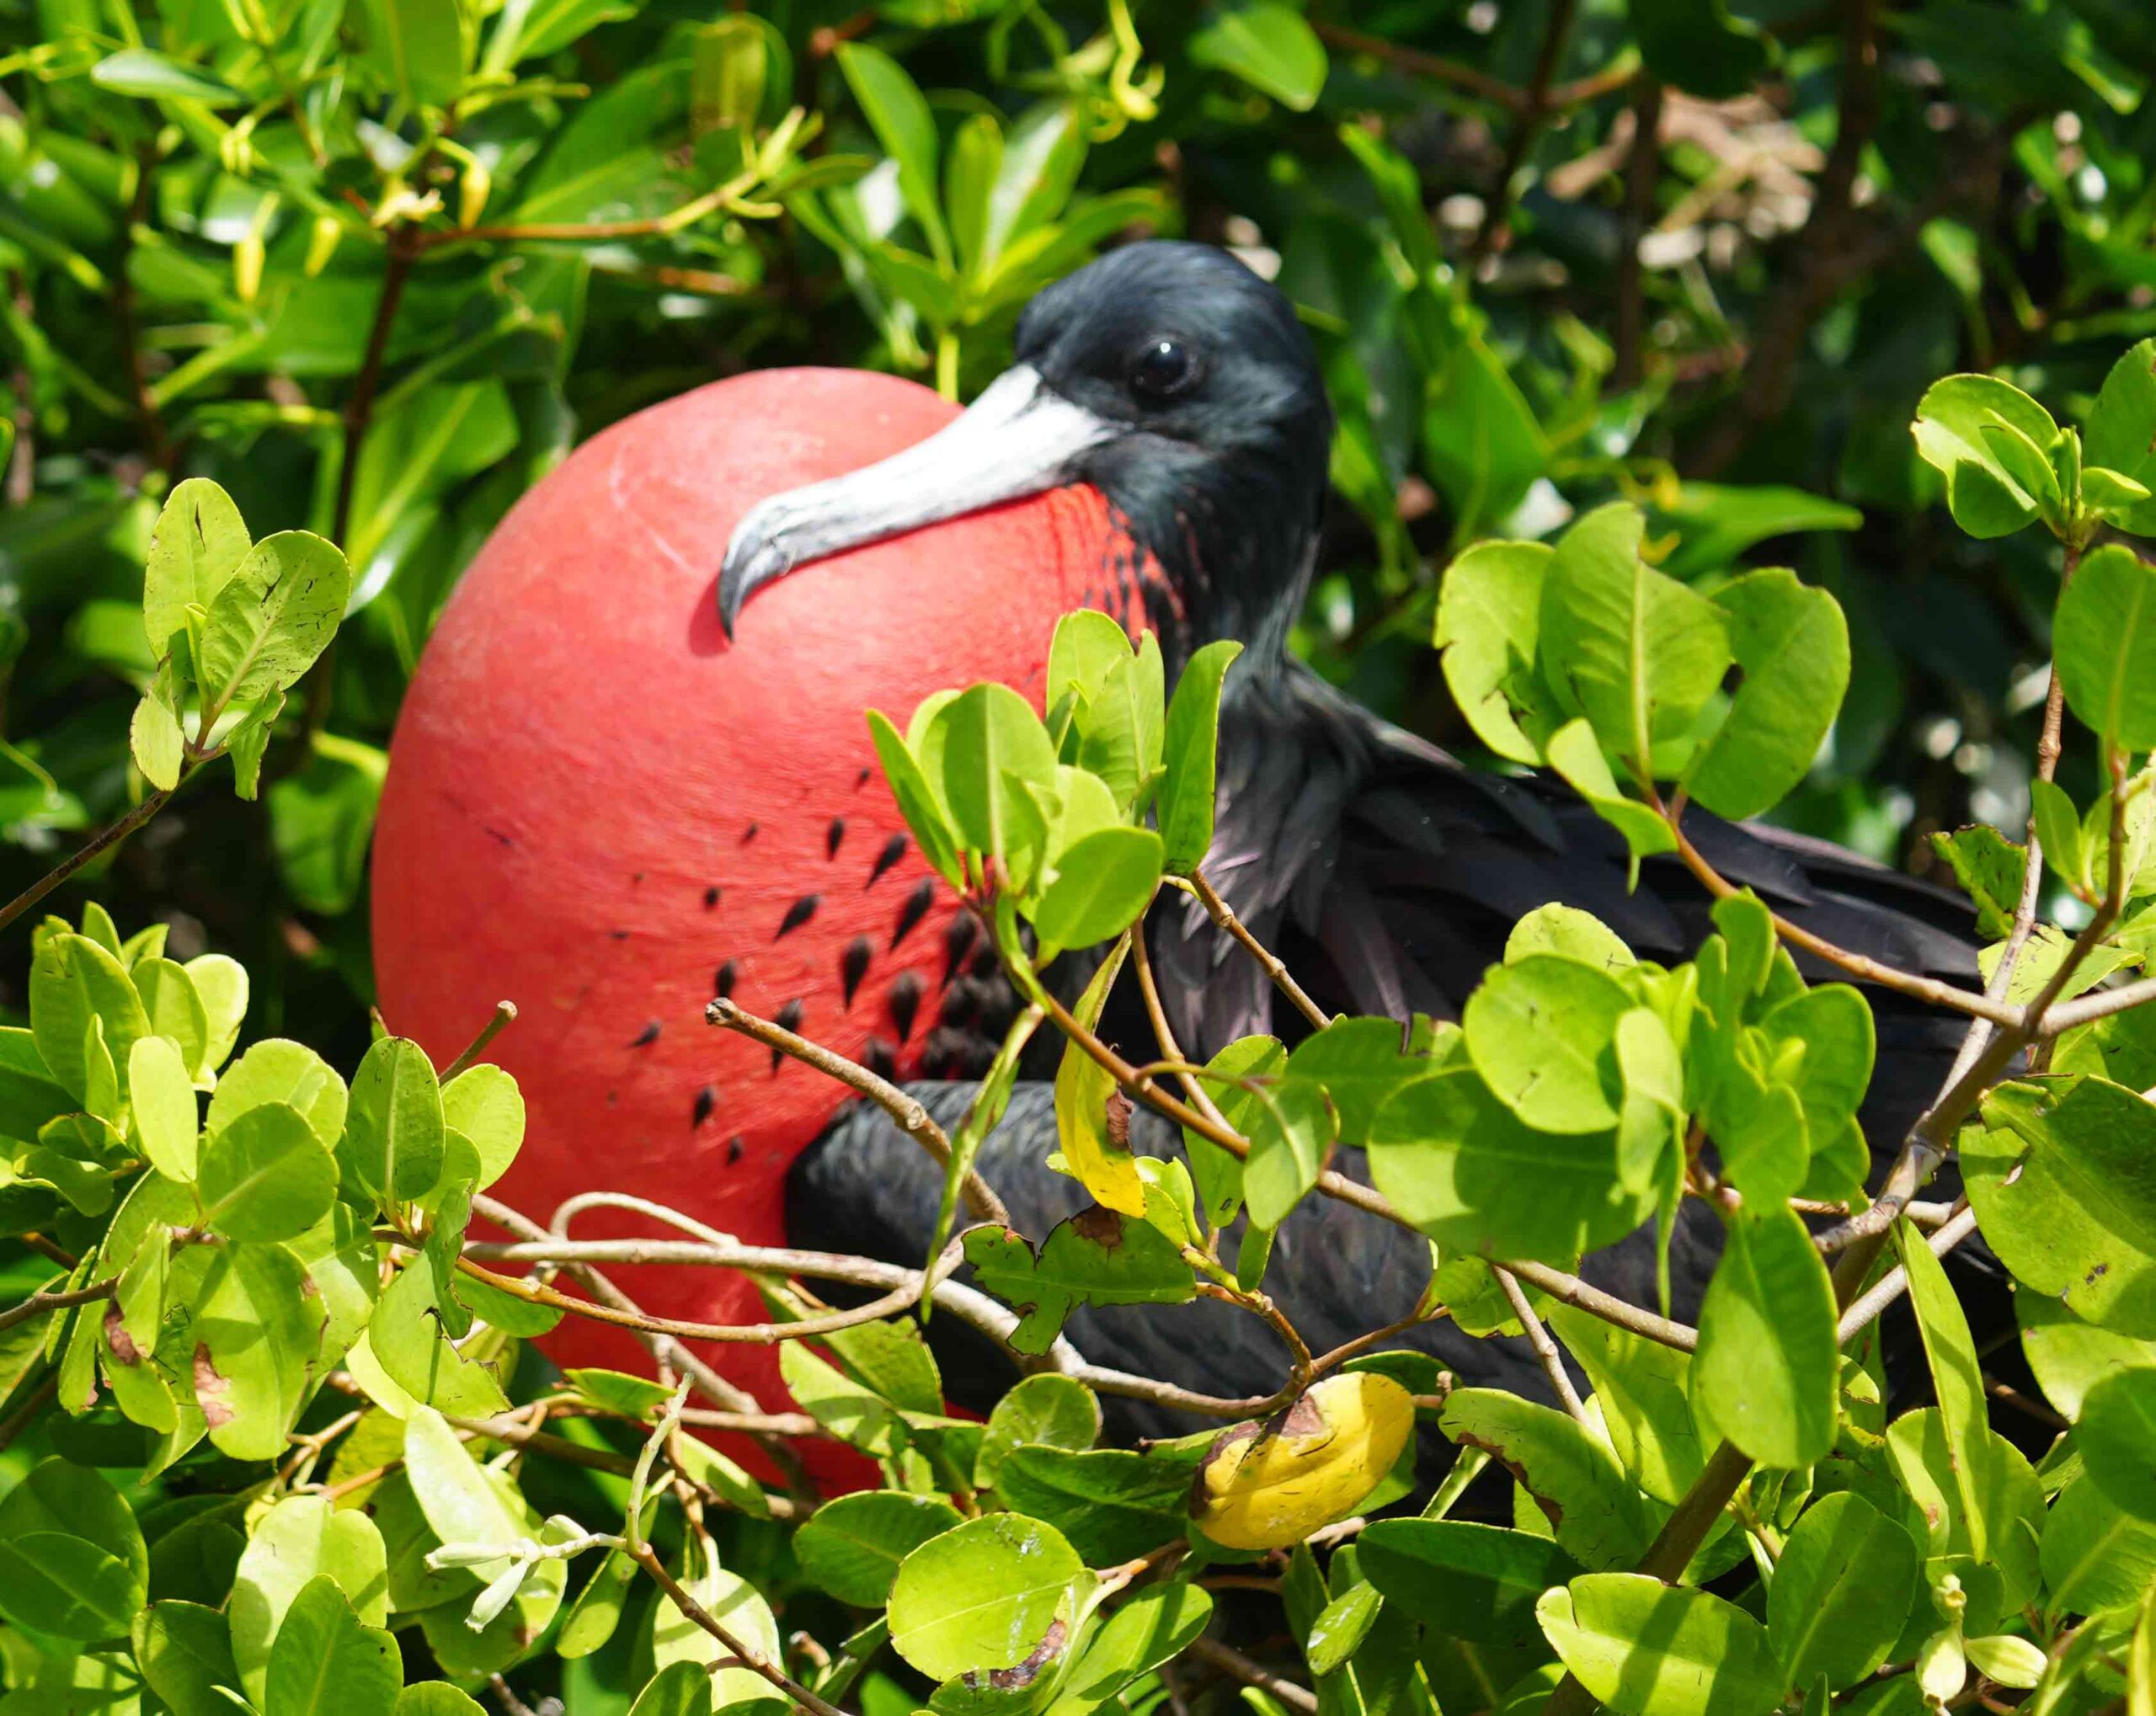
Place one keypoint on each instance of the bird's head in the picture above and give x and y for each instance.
(1170, 377)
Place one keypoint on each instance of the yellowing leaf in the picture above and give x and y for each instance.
(1265, 1486)
(1096, 1152)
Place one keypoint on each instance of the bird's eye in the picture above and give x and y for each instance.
(1163, 368)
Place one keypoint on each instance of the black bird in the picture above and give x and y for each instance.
(1386, 873)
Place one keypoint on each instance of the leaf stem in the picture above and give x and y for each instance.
(504, 1015)
(1284, 979)
(1545, 1349)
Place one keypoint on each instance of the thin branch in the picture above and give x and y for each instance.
(1895, 1283)
(747, 1654)
(1643, 162)
(911, 1118)
(1527, 130)
(1545, 1349)
(505, 1016)
(1193, 1087)
(25, 1414)
(155, 439)
(98, 845)
(1419, 63)
(48, 1250)
(37, 1305)
(1284, 979)
(1252, 1672)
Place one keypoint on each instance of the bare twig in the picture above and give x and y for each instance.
(1417, 62)
(505, 1016)
(1252, 1672)
(746, 1653)
(37, 1305)
(99, 845)
(1193, 1087)
(157, 441)
(1545, 1349)
(1895, 1283)
(1641, 164)
(1527, 129)
(1284, 979)
(911, 1118)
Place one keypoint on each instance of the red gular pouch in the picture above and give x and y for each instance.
(601, 808)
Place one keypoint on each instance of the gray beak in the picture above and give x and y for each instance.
(1019, 438)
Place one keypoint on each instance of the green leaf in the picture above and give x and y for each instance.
(1950, 419)
(1341, 1628)
(266, 1175)
(852, 1547)
(73, 983)
(1122, 726)
(2095, 1555)
(248, 742)
(1793, 646)
(466, 1503)
(981, 1597)
(2011, 1502)
(1291, 1132)
(1184, 807)
(2122, 435)
(1046, 1411)
(1087, 647)
(419, 48)
(297, 1541)
(2116, 1429)
(1462, 1167)
(1489, 626)
(917, 799)
(1647, 1649)
(1218, 1174)
(483, 1104)
(279, 1070)
(221, 984)
(2104, 641)
(1635, 651)
(154, 77)
(2067, 1356)
(326, 1663)
(1842, 1592)
(1153, 1626)
(681, 1688)
(1360, 1063)
(969, 183)
(1541, 1031)
(259, 1333)
(164, 1099)
(394, 1131)
(1470, 1581)
(185, 1653)
(736, 1605)
(984, 743)
(1112, 1504)
(272, 616)
(898, 113)
(1576, 754)
(198, 545)
(72, 1563)
(1719, 521)
(2062, 1176)
(1102, 883)
(1956, 1376)
(155, 741)
(1571, 1475)
(596, 1613)
(1097, 1256)
(322, 817)
(1989, 867)
(1766, 1371)
(406, 1339)
(1266, 44)
(1481, 444)
(1642, 1389)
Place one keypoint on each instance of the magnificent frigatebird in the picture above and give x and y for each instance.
(1177, 384)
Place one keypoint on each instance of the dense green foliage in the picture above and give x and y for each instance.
(302, 294)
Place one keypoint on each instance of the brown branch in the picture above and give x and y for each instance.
(98, 846)
(1527, 130)
(1891, 1285)
(37, 1305)
(745, 1653)
(45, 1249)
(911, 1117)
(1251, 1672)
(1641, 164)
(1284, 979)
(1193, 1087)
(1545, 1349)
(1419, 63)
(504, 1015)
(155, 439)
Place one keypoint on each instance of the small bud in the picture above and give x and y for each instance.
(246, 266)
(322, 244)
(2011, 1661)
(1942, 1669)
(496, 1597)
(1948, 1598)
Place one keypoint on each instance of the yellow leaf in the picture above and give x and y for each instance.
(1266, 1486)
(1096, 1152)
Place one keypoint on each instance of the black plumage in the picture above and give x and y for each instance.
(1387, 873)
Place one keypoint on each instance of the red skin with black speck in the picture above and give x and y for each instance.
(581, 758)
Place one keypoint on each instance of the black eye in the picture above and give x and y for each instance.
(1162, 369)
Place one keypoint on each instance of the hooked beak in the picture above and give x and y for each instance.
(1019, 438)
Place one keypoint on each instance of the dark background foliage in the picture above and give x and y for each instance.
(1555, 251)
